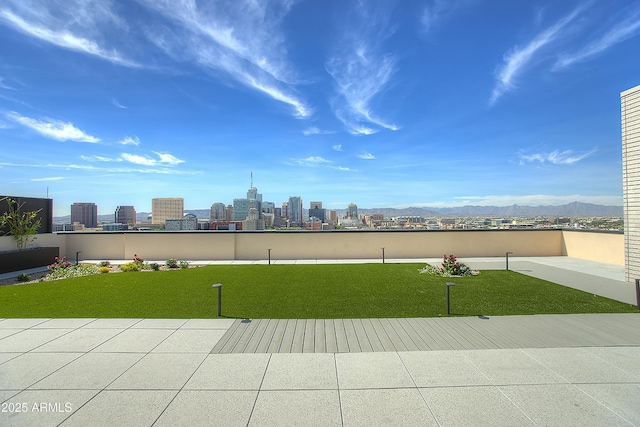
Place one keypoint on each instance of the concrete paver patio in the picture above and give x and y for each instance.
(163, 372)
(149, 372)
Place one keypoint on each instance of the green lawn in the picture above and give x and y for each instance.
(297, 291)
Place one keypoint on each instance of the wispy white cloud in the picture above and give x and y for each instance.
(557, 157)
(623, 30)
(117, 104)
(344, 169)
(367, 156)
(433, 13)
(517, 59)
(436, 12)
(163, 159)
(128, 140)
(168, 159)
(316, 131)
(361, 71)
(53, 26)
(317, 161)
(139, 160)
(55, 129)
(53, 178)
(3, 85)
(100, 159)
(241, 38)
(337, 147)
(162, 170)
(311, 161)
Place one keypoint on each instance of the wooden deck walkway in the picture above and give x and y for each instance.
(427, 334)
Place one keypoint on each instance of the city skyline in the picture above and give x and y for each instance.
(425, 104)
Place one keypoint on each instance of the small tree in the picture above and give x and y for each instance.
(23, 226)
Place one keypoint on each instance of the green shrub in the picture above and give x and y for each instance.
(104, 269)
(129, 267)
(184, 265)
(104, 264)
(171, 263)
(154, 266)
(22, 278)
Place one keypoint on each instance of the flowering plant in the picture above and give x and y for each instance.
(59, 264)
(138, 260)
(451, 267)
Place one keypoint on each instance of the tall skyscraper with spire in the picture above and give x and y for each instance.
(253, 200)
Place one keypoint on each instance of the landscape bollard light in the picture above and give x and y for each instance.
(219, 286)
(269, 250)
(382, 254)
(507, 255)
(638, 293)
(77, 253)
(449, 285)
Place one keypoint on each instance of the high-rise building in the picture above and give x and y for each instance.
(268, 213)
(125, 215)
(316, 211)
(333, 216)
(241, 206)
(85, 213)
(252, 194)
(295, 210)
(284, 212)
(630, 102)
(166, 208)
(218, 212)
(268, 207)
(229, 213)
(352, 211)
(253, 221)
(240, 209)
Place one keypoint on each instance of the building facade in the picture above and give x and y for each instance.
(85, 214)
(218, 212)
(630, 109)
(166, 208)
(241, 207)
(316, 211)
(295, 210)
(352, 211)
(189, 222)
(125, 215)
(253, 221)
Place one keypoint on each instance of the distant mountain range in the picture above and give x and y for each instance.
(569, 209)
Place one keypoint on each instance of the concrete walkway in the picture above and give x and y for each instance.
(584, 370)
(143, 372)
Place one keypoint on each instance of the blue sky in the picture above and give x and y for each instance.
(379, 103)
